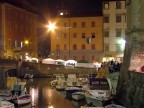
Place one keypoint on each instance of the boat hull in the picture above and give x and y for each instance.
(6, 104)
(78, 96)
(22, 100)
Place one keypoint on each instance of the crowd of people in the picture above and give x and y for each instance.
(108, 67)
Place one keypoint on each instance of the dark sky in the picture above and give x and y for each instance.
(50, 7)
(70, 5)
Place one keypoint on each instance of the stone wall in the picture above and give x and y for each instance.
(47, 69)
(131, 93)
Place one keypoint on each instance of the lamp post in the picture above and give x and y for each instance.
(66, 13)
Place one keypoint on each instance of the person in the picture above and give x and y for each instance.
(102, 72)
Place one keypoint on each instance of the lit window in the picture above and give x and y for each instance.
(21, 44)
(118, 48)
(118, 32)
(106, 5)
(15, 43)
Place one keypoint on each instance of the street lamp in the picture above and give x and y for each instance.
(51, 26)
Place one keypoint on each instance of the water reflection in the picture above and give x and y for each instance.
(43, 96)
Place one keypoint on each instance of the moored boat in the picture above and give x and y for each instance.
(70, 90)
(78, 96)
(6, 104)
(99, 90)
(22, 99)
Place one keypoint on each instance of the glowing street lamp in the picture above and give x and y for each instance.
(26, 42)
(51, 27)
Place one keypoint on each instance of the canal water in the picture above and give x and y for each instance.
(44, 96)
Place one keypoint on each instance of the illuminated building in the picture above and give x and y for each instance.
(17, 32)
(114, 13)
(78, 38)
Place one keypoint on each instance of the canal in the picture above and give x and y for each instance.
(44, 96)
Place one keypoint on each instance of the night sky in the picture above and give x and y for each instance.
(50, 8)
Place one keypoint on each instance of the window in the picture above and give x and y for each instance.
(74, 35)
(15, 43)
(83, 57)
(93, 24)
(106, 33)
(9, 43)
(118, 32)
(57, 47)
(74, 47)
(106, 19)
(93, 46)
(74, 57)
(64, 35)
(21, 44)
(83, 47)
(93, 35)
(65, 25)
(118, 18)
(58, 36)
(93, 57)
(118, 48)
(74, 25)
(65, 48)
(83, 35)
(83, 24)
(9, 24)
(106, 47)
(118, 5)
(106, 5)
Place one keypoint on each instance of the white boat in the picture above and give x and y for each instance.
(99, 90)
(78, 96)
(6, 104)
(59, 79)
(22, 99)
(60, 87)
(5, 96)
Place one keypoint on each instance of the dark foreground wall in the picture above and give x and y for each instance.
(131, 93)
(39, 69)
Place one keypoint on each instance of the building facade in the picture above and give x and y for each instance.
(78, 38)
(114, 16)
(18, 35)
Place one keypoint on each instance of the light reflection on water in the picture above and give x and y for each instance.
(43, 96)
